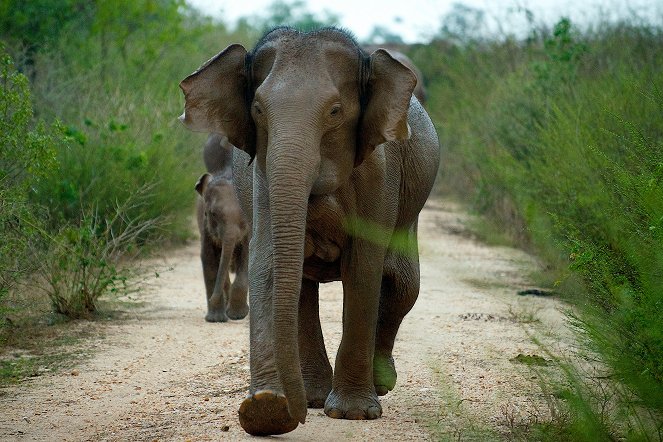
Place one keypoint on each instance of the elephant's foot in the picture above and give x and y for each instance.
(265, 413)
(216, 316)
(384, 374)
(316, 393)
(317, 374)
(353, 406)
(238, 311)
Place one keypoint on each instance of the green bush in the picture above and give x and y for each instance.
(560, 141)
(73, 249)
(26, 155)
(117, 95)
(84, 260)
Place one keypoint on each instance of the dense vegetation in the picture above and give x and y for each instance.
(115, 174)
(559, 141)
(557, 138)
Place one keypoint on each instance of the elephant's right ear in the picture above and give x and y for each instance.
(216, 98)
(201, 184)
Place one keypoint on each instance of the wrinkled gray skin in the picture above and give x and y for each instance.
(343, 159)
(224, 235)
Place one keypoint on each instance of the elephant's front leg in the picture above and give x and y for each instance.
(353, 394)
(210, 256)
(217, 302)
(316, 369)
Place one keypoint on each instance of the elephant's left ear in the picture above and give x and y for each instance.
(388, 92)
(216, 100)
(202, 182)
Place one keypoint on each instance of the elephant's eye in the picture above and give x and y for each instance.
(257, 113)
(257, 109)
(335, 110)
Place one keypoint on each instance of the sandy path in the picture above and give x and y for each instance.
(165, 374)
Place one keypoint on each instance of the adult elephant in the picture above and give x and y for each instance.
(342, 159)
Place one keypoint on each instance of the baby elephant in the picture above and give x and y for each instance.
(224, 237)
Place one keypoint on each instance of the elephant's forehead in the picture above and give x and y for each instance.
(288, 36)
(321, 50)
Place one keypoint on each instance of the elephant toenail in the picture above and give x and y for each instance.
(355, 414)
(335, 413)
(374, 412)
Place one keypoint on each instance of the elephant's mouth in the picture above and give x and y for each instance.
(324, 239)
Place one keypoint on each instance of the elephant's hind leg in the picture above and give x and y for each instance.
(316, 369)
(399, 291)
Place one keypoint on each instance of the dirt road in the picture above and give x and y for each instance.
(163, 373)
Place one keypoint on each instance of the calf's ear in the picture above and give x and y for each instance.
(201, 184)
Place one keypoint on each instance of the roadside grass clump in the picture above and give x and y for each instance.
(111, 180)
(559, 141)
(588, 178)
(28, 149)
(94, 257)
(75, 263)
(14, 369)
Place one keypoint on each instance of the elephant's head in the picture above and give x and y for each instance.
(222, 214)
(309, 107)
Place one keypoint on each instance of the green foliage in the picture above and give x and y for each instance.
(560, 141)
(84, 260)
(463, 24)
(38, 23)
(26, 155)
(563, 53)
(27, 152)
(118, 94)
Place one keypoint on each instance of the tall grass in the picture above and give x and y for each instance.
(121, 113)
(559, 139)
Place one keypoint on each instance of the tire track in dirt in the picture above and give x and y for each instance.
(166, 374)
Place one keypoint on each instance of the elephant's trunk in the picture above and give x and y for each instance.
(290, 175)
(224, 266)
